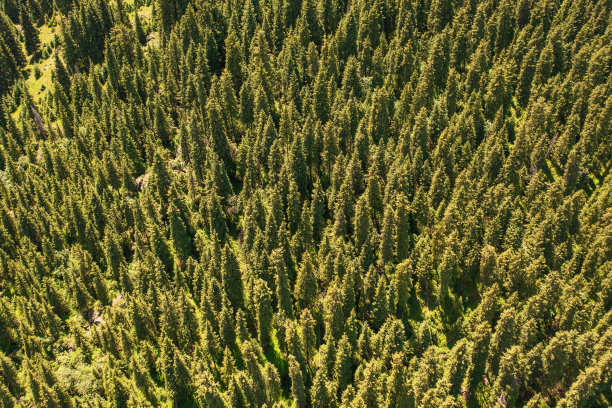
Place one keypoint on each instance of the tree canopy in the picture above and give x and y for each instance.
(311, 203)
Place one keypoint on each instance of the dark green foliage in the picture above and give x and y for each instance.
(317, 203)
(30, 33)
(297, 383)
(263, 312)
(231, 277)
(180, 235)
(305, 291)
(12, 58)
(61, 74)
(139, 30)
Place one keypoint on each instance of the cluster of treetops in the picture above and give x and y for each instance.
(306, 203)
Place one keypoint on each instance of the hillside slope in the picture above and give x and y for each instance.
(310, 203)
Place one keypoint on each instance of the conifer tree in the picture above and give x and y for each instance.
(140, 34)
(216, 218)
(362, 228)
(311, 203)
(167, 15)
(30, 33)
(180, 235)
(283, 293)
(231, 277)
(319, 393)
(403, 228)
(344, 365)
(161, 127)
(61, 74)
(226, 326)
(297, 383)
(263, 310)
(159, 180)
(386, 239)
(235, 395)
(306, 284)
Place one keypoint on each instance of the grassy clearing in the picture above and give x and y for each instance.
(38, 87)
(41, 71)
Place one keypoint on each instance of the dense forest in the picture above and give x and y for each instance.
(305, 203)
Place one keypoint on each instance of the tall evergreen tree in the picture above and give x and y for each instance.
(297, 383)
(305, 290)
(30, 33)
(231, 276)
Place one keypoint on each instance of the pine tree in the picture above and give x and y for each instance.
(403, 228)
(162, 130)
(180, 235)
(110, 59)
(166, 15)
(504, 27)
(160, 177)
(319, 393)
(363, 225)
(113, 252)
(61, 74)
(226, 327)
(160, 249)
(334, 315)
(308, 336)
(140, 34)
(182, 378)
(297, 383)
(398, 391)
(263, 312)
(378, 118)
(305, 291)
(344, 364)
(30, 33)
(506, 387)
(501, 339)
(9, 42)
(479, 350)
(374, 198)
(283, 291)
(233, 59)
(402, 283)
(386, 239)
(525, 77)
(207, 393)
(379, 307)
(217, 133)
(273, 384)
(231, 277)
(216, 218)
(235, 395)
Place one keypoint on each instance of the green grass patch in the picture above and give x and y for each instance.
(39, 80)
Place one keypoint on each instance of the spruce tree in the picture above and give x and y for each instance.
(263, 312)
(297, 383)
(305, 290)
(231, 277)
(386, 238)
(216, 218)
(283, 291)
(344, 364)
(140, 34)
(30, 33)
(61, 74)
(312, 203)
